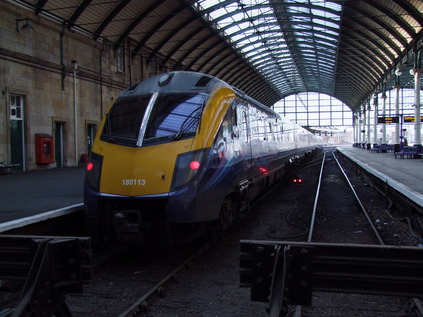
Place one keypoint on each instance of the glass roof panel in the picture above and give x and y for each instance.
(280, 39)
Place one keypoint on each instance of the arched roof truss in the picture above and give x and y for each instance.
(268, 48)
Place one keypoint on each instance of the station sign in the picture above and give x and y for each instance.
(411, 119)
(388, 119)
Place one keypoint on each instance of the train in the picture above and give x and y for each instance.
(183, 151)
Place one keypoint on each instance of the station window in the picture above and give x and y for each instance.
(120, 60)
(16, 107)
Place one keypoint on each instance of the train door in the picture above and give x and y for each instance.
(59, 143)
(17, 144)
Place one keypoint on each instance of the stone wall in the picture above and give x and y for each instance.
(37, 66)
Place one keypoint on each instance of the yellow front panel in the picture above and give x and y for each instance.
(148, 170)
(139, 171)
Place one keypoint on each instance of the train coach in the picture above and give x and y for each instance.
(183, 150)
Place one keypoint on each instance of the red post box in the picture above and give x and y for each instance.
(44, 148)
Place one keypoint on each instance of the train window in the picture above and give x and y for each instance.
(175, 116)
(242, 121)
(123, 122)
(226, 133)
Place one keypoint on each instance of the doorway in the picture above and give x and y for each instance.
(17, 142)
(59, 143)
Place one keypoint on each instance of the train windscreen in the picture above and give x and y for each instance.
(174, 116)
(124, 120)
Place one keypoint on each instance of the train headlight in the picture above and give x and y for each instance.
(93, 170)
(187, 168)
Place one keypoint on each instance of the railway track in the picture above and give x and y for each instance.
(134, 282)
(124, 284)
(329, 233)
(335, 200)
(156, 298)
(346, 204)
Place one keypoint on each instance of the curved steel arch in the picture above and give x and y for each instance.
(171, 35)
(272, 6)
(322, 51)
(230, 58)
(285, 22)
(235, 68)
(193, 48)
(382, 25)
(136, 22)
(182, 42)
(280, 36)
(416, 14)
(39, 6)
(348, 52)
(121, 5)
(366, 63)
(386, 12)
(208, 60)
(372, 52)
(159, 25)
(78, 12)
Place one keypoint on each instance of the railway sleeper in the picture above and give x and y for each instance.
(286, 273)
(48, 268)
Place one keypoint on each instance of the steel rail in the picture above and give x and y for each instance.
(140, 306)
(366, 214)
(316, 199)
(414, 301)
(286, 273)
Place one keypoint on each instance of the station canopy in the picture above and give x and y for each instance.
(349, 49)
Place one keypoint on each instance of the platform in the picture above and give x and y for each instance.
(404, 175)
(35, 192)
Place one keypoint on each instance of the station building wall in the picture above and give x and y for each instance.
(37, 84)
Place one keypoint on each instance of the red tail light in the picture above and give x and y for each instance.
(194, 165)
(93, 170)
(187, 168)
(90, 166)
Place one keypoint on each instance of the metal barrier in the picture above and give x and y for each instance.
(49, 267)
(286, 273)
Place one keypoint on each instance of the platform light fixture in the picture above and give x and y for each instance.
(398, 71)
(25, 27)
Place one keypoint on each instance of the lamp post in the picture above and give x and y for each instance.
(397, 87)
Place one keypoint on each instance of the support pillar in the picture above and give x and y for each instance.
(417, 112)
(397, 125)
(375, 114)
(363, 127)
(384, 114)
(354, 124)
(369, 111)
(359, 128)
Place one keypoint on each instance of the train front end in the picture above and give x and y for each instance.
(144, 152)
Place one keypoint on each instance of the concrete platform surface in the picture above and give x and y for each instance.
(35, 192)
(405, 175)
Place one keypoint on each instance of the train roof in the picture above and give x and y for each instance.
(179, 81)
(174, 82)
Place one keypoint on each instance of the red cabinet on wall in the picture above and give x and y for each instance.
(44, 150)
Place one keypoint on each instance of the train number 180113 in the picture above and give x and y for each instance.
(133, 182)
